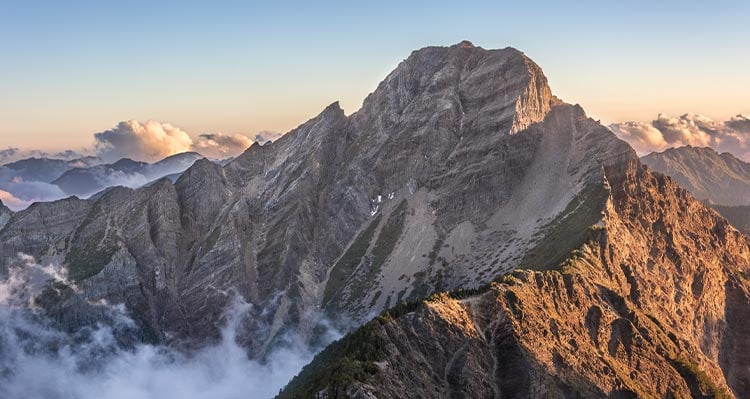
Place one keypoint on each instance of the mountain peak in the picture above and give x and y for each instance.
(465, 44)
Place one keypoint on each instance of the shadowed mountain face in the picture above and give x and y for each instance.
(721, 179)
(459, 168)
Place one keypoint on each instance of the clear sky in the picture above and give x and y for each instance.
(71, 68)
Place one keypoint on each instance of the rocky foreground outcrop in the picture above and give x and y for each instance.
(655, 304)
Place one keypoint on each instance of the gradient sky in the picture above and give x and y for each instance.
(71, 68)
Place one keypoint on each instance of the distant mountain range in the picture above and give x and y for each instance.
(46, 169)
(721, 180)
(83, 182)
(44, 179)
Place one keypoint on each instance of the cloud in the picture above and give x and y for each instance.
(12, 202)
(689, 129)
(150, 141)
(220, 146)
(39, 361)
(17, 194)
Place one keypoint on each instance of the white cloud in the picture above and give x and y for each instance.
(689, 129)
(150, 141)
(220, 146)
(38, 361)
(18, 194)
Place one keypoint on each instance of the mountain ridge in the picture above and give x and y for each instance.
(721, 179)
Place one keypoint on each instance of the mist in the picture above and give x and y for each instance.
(39, 361)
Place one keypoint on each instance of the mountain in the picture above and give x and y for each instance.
(84, 182)
(581, 271)
(719, 178)
(46, 169)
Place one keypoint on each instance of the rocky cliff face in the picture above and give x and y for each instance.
(654, 304)
(721, 179)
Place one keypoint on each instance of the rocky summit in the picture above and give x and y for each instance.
(570, 269)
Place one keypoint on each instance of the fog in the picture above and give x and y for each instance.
(39, 361)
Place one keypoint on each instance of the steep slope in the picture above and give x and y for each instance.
(719, 178)
(654, 304)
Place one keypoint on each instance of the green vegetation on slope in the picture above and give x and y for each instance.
(569, 230)
(344, 362)
(700, 384)
(348, 262)
(388, 237)
(89, 253)
(352, 359)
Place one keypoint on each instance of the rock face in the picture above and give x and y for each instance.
(5, 214)
(721, 179)
(654, 304)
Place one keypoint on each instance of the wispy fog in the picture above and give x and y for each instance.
(37, 361)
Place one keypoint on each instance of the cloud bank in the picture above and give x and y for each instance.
(38, 361)
(689, 129)
(17, 193)
(151, 141)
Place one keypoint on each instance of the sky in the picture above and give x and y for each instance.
(71, 69)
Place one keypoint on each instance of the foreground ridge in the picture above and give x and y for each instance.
(646, 308)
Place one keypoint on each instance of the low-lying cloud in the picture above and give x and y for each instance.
(17, 193)
(38, 361)
(689, 129)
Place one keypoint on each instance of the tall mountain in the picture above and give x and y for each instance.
(83, 182)
(721, 179)
(458, 169)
